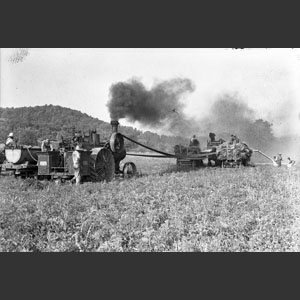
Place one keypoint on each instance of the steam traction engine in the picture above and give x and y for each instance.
(100, 161)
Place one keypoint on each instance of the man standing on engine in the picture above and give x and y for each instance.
(76, 165)
(10, 142)
(46, 145)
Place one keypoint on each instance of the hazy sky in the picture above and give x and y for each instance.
(267, 79)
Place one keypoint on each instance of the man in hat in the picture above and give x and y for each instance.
(278, 160)
(46, 145)
(76, 164)
(10, 142)
(194, 145)
(194, 142)
(234, 139)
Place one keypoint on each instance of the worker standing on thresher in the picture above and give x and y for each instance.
(234, 139)
(76, 165)
(46, 145)
(10, 142)
(212, 137)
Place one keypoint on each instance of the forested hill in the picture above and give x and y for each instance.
(30, 125)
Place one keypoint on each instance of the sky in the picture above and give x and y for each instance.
(266, 79)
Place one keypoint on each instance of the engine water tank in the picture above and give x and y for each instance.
(22, 155)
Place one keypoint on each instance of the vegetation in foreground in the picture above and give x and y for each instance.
(247, 209)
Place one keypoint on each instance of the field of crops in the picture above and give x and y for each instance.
(244, 209)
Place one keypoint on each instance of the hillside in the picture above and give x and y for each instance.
(32, 124)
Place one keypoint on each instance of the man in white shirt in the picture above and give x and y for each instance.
(46, 145)
(76, 165)
(10, 142)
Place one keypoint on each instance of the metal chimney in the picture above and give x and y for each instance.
(114, 125)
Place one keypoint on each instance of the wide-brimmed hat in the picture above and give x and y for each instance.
(11, 135)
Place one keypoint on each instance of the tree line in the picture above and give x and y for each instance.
(31, 125)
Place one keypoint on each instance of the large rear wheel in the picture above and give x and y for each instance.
(102, 165)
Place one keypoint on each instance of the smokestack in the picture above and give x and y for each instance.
(114, 125)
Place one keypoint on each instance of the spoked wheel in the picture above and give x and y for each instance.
(102, 165)
(129, 170)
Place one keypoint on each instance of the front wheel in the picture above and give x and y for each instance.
(129, 170)
(116, 142)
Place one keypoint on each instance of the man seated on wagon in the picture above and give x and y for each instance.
(194, 146)
(194, 142)
(212, 142)
(234, 139)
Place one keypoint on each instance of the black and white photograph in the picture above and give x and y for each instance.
(149, 150)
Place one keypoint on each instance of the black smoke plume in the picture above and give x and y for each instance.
(160, 107)
(229, 114)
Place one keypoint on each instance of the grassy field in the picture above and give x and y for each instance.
(245, 209)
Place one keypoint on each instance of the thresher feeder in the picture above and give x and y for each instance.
(217, 153)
